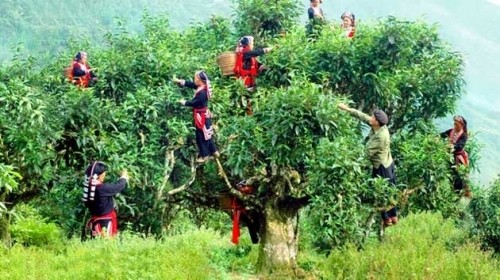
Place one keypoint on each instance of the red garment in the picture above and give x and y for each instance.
(247, 75)
(81, 80)
(200, 116)
(461, 157)
(349, 31)
(237, 209)
(109, 221)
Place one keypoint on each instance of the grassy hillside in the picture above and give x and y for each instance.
(422, 246)
(47, 25)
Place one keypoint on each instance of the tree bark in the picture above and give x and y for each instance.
(279, 242)
(4, 229)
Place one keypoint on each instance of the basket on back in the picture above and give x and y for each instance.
(226, 61)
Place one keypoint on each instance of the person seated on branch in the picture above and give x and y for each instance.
(458, 138)
(247, 68)
(98, 198)
(82, 73)
(348, 24)
(378, 150)
(201, 114)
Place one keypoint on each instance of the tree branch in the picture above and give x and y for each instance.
(169, 166)
(187, 184)
(248, 199)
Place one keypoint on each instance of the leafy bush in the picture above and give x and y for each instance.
(265, 18)
(485, 211)
(186, 256)
(30, 229)
(422, 246)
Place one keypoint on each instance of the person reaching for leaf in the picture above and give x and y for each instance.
(82, 73)
(316, 19)
(246, 67)
(458, 138)
(201, 114)
(378, 150)
(98, 198)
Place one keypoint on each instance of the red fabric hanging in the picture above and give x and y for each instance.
(236, 221)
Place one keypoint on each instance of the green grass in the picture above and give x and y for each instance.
(185, 256)
(422, 246)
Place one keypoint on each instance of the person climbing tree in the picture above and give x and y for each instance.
(458, 138)
(247, 67)
(378, 150)
(81, 73)
(201, 114)
(98, 198)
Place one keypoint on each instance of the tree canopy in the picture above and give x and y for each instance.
(299, 150)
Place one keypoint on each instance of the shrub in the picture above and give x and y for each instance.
(422, 246)
(31, 229)
(485, 210)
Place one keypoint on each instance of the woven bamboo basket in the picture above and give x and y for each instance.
(226, 61)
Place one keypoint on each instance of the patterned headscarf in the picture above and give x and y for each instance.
(349, 15)
(460, 119)
(204, 77)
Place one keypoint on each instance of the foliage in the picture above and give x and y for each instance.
(401, 67)
(298, 145)
(422, 246)
(130, 257)
(485, 210)
(424, 167)
(264, 18)
(8, 183)
(29, 228)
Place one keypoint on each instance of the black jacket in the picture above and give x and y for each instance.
(103, 202)
(460, 144)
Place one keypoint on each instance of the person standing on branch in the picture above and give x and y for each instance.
(201, 114)
(98, 198)
(458, 138)
(247, 68)
(82, 73)
(378, 150)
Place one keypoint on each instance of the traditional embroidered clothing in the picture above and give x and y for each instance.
(201, 116)
(98, 198)
(458, 139)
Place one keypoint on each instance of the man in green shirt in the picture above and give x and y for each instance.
(378, 150)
